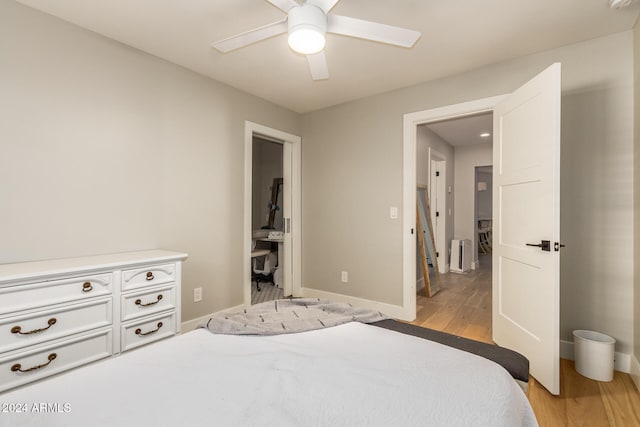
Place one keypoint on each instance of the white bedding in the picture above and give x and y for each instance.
(348, 375)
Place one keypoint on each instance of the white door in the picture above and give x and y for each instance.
(286, 273)
(526, 209)
(437, 202)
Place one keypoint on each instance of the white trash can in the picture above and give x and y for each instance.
(593, 353)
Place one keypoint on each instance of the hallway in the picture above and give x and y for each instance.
(463, 305)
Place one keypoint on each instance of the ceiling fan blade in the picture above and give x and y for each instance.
(252, 36)
(284, 5)
(318, 66)
(325, 5)
(368, 30)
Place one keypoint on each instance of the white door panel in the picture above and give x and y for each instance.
(286, 273)
(526, 284)
(437, 199)
(516, 211)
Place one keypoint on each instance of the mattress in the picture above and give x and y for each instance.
(348, 375)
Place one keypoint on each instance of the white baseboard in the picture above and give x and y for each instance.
(475, 265)
(635, 371)
(192, 324)
(621, 361)
(393, 311)
(566, 350)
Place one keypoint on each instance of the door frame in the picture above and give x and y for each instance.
(411, 121)
(291, 149)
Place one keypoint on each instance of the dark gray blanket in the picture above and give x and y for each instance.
(289, 316)
(514, 362)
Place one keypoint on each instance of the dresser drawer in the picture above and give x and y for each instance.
(140, 333)
(148, 276)
(140, 304)
(40, 294)
(34, 328)
(44, 361)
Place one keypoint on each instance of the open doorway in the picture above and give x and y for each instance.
(484, 214)
(271, 214)
(526, 217)
(267, 220)
(460, 158)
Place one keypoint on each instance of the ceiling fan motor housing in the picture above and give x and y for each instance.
(307, 25)
(619, 4)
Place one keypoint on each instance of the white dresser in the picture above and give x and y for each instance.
(59, 314)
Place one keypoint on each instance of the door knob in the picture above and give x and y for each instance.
(545, 245)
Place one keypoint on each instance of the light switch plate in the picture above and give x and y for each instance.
(393, 212)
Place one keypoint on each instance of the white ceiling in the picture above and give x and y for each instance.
(457, 35)
(464, 130)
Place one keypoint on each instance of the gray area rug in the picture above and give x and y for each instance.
(269, 292)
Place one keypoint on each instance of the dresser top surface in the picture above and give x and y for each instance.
(56, 267)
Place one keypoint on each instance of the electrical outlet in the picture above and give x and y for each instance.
(344, 277)
(197, 294)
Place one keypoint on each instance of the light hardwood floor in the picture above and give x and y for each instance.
(463, 307)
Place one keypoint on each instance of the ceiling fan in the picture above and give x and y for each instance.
(307, 22)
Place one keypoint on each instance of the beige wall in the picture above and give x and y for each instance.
(106, 149)
(346, 225)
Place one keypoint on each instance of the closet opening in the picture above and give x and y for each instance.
(271, 232)
(267, 220)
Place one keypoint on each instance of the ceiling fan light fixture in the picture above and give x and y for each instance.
(307, 23)
(307, 27)
(306, 41)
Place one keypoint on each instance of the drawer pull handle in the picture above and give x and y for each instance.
(18, 367)
(86, 287)
(150, 275)
(139, 331)
(18, 329)
(139, 302)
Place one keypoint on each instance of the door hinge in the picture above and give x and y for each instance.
(437, 173)
(412, 231)
(437, 214)
(437, 254)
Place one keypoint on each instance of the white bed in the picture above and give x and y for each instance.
(348, 375)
